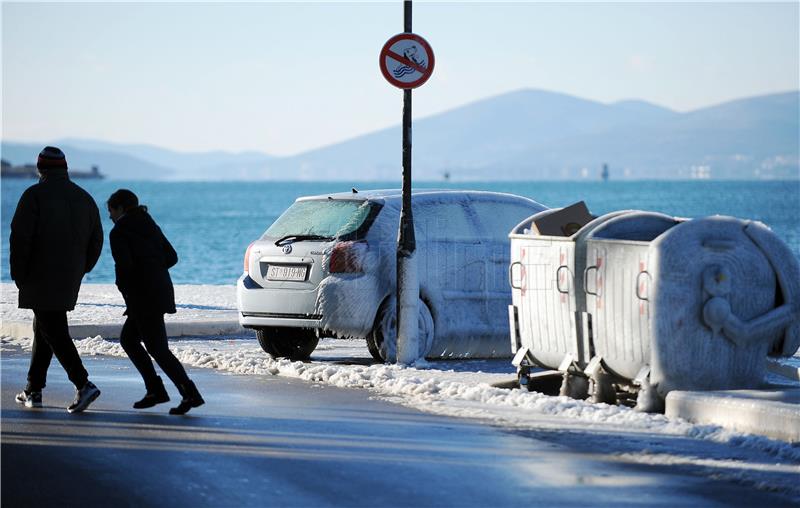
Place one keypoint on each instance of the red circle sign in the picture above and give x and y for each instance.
(407, 60)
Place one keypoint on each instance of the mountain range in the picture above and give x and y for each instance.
(522, 135)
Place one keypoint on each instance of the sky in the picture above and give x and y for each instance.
(283, 78)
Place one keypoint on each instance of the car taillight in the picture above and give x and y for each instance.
(346, 257)
(247, 258)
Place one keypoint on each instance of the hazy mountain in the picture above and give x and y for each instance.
(111, 163)
(527, 134)
(473, 137)
(645, 109)
(144, 162)
(185, 164)
(545, 135)
(755, 137)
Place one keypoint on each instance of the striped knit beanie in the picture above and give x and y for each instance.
(51, 158)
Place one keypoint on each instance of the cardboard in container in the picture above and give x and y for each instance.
(564, 222)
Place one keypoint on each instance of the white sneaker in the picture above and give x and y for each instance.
(84, 397)
(30, 399)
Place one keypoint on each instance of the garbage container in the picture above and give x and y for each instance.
(688, 304)
(547, 318)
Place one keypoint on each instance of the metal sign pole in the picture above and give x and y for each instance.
(407, 280)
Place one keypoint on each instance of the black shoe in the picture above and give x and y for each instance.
(151, 399)
(84, 397)
(29, 398)
(191, 398)
(156, 394)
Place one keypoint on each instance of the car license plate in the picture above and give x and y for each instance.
(287, 272)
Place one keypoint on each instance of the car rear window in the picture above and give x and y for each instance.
(499, 218)
(329, 218)
(443, 222)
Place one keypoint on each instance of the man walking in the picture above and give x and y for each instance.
(56, 238)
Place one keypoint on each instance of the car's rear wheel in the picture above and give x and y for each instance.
(291, 343)
(373, 349)
(382, 341)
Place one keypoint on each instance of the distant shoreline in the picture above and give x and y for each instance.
(29, 172)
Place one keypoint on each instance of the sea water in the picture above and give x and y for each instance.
(211, 223)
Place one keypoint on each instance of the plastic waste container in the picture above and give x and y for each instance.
(547, 318)
(687, 304)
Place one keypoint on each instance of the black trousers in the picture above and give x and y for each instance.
(51, 335)
(149, 328)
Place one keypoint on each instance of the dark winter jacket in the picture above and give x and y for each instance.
(56, 238)
(142, 257)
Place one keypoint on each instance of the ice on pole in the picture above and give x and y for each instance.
(408, 310)
(407, 61)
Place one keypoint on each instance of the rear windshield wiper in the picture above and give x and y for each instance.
(299, 238)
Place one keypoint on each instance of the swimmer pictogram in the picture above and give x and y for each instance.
(407, 60)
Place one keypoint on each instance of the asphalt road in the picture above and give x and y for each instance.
(273, 441)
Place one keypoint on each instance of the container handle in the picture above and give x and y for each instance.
(586, 278)
(640, 285)
(558, 279)
(511, 276)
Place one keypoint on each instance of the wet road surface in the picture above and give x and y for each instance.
(273, 441)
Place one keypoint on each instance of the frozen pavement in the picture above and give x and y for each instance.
(463, 388)
(265, 440)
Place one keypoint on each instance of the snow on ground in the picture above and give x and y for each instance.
(102, 303)
(456, 388)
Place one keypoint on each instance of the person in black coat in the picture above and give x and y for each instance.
(56, 238)
(142, 257)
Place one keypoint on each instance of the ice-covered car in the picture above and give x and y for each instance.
(327, 267)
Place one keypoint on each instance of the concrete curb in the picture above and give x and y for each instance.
(24, 329)
(771, 413)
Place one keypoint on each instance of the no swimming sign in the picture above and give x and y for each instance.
(407, 60)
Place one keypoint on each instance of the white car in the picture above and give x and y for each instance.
(327, 268)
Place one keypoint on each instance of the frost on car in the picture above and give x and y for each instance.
(327, 267)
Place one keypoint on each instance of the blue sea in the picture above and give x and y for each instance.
(211, 223)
